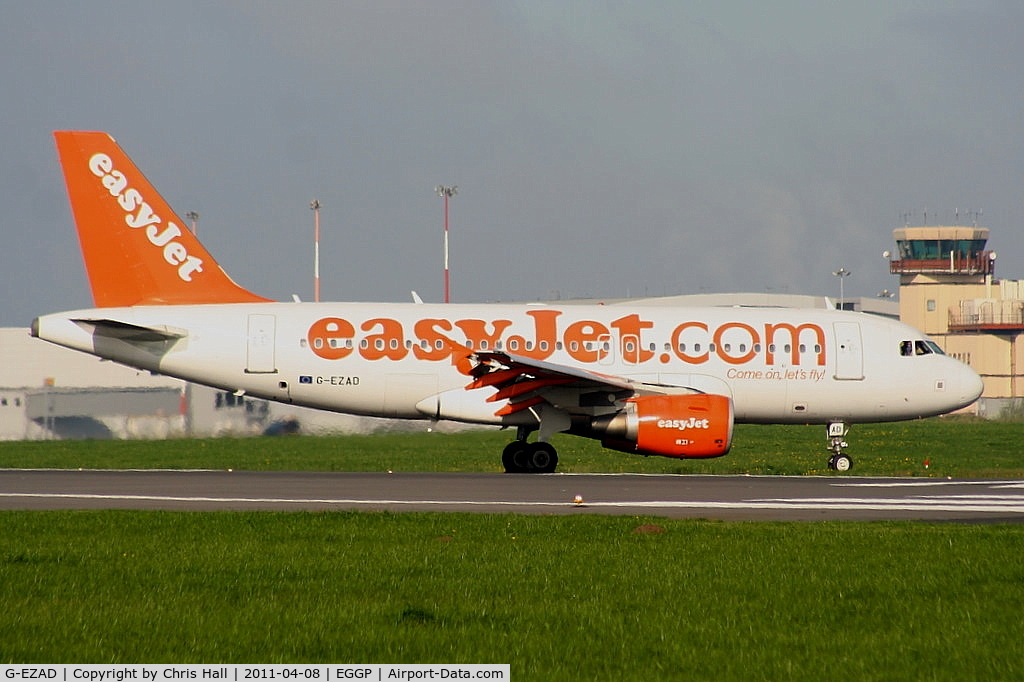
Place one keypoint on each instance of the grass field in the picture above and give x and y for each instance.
(950, 447)
(559, 598)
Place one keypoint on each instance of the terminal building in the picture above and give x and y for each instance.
(50, 393)
(948, 290)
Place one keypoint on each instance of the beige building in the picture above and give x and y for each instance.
(948, 291)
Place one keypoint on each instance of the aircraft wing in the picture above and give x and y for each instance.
(524, 382)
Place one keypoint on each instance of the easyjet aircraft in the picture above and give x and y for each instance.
(647, 380)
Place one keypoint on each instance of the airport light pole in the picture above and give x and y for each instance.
(186, 397)
(842, 274)
(446, 192)
(315, 205)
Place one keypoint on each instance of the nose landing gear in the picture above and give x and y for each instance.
(839, 461)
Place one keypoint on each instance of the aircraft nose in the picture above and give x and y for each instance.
(970, 385)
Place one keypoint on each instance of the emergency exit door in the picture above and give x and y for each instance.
(260, 356)
(849, 351)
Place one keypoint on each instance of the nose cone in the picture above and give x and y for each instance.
(969, 385)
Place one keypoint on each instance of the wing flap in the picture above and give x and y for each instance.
(523, 382)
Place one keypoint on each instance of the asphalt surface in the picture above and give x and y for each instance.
(779, 498)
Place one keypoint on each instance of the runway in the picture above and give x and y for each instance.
(777, 498)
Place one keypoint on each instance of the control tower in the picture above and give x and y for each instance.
(938, 268)
(947, 290)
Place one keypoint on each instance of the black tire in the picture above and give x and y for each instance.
(514, 457)
(842, 463)
(543, 458)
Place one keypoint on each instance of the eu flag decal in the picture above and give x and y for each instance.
(305, 379)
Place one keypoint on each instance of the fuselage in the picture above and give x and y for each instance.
(778, 365)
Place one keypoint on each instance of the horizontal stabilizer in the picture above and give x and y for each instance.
(115, 329)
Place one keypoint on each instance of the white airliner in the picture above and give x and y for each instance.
(646, 380)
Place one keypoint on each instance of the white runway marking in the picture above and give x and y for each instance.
(962, 503)
(273, 500)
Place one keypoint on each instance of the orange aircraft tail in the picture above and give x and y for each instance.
(136, 250)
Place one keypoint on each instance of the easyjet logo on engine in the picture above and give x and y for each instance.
(544, 332)
(139, 216)
(683, 424)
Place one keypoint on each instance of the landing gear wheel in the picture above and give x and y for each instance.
(543, 458)
(515, 457)
(520, 457)
(840, 462)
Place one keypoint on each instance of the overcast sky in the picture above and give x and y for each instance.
(601, 149)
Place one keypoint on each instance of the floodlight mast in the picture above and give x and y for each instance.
(842, 273)
(315, 205)
(194, 217)
(447, 192)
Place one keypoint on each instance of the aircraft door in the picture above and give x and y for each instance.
(849, 351)
(260, 351)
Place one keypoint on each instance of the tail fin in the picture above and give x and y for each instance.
(135, 248)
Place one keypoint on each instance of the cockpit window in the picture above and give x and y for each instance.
(919, 347)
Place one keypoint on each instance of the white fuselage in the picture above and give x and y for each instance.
(778, 365)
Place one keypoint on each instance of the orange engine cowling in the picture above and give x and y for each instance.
(698, 425)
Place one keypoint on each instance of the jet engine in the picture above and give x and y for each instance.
(692, 425)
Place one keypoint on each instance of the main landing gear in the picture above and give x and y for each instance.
(839, 461)
(521, 457)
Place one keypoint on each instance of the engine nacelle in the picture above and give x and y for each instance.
(698, 425)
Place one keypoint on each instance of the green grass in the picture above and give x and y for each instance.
(951, 447)
(560, 598)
